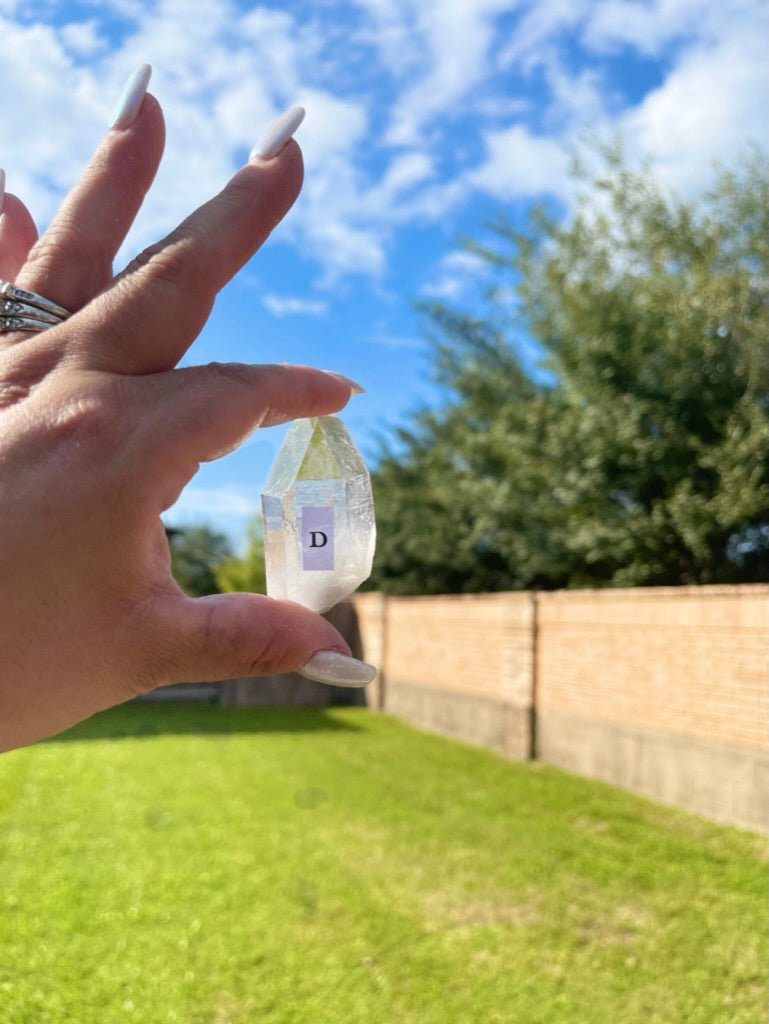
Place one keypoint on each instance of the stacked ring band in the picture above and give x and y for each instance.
(21, 310)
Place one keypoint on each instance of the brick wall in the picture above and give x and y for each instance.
(461, 664)
(689, 660)
(661, 690)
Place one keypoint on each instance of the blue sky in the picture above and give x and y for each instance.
(424, 118)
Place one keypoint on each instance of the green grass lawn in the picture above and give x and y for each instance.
(222, 866)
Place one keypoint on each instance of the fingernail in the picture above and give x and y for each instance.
(355, 387)
(337, 669)
(127, 107)
(2, 189)
(278, 134)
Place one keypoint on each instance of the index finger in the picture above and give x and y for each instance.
(152, 313)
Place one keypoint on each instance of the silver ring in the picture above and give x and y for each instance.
(8, 307)
(24, 323)
(28, 306)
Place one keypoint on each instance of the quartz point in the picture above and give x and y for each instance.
(319, 527)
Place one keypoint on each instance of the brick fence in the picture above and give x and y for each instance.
(661, 690)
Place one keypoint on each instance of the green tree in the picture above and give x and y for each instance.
(234, 574)
(633, 452)
(195, 552)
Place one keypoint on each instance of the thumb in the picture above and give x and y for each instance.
(227, 636)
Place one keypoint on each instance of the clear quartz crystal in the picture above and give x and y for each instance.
(319, 528)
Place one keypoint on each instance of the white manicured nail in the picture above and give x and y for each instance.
(278, 134)
(2, 189)
(127, 107)
(337, 669)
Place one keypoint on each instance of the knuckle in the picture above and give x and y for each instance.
(92, 422)
(12, 393)
(165, 263)
(22, 370)
(42, 254)
(211, 638)
(273, 656)
(232, 373)
(81, 417)
(67, 236)
(238, 197)
(244, 651)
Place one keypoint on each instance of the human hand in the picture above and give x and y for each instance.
(99, 433)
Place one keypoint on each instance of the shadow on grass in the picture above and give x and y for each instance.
(140, 721)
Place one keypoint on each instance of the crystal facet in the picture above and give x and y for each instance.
(319, 528)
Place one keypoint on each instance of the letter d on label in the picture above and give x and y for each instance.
(317, 538)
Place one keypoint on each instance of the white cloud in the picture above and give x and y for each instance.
(335, 127)
(333, 230)
(709, 106)
(463, 260)
(447, 289)
(238, 107)
(386, 339)
(292, 305)
(331, 220)
(522, 164)
(647, 27)
(83, 38)
(456, 271)
(538, 31)
(229, 500)
(711, 102)
(389, 29)
(432, 80)
(456, 39)
(434, 202)
(230, 506)
(406, 171)
(280, 48)
(650, 27)
(578, 99)
(397, 198)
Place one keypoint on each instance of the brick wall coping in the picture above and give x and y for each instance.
(580, 593)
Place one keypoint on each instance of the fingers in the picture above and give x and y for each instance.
(17, 235)
(202, 413)
(232, 635)
(72, 261)
(148, 319)
(206, 411)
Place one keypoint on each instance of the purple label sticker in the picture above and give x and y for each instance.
(317, 538)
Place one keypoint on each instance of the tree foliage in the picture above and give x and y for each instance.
(248, 573)
(633, 452)
(195, 553)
